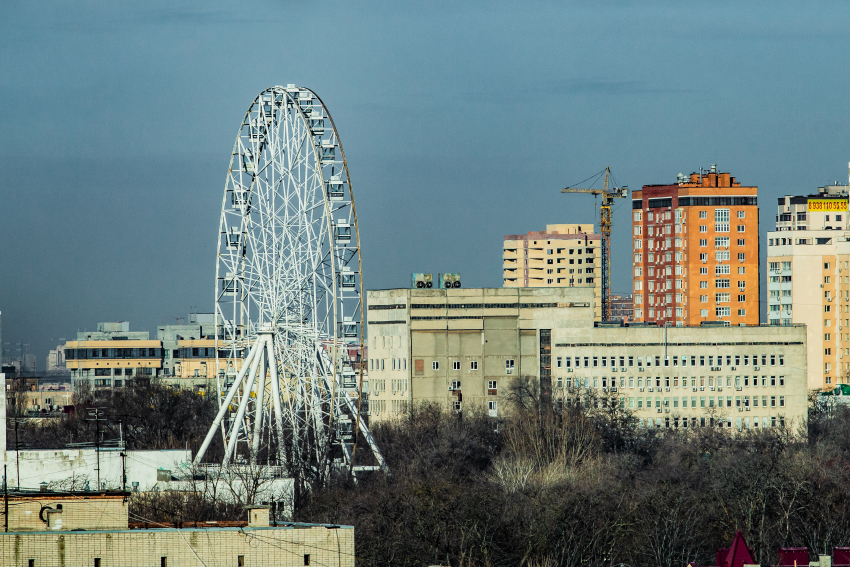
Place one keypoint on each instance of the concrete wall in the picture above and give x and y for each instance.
(58, 465)
(212, 547)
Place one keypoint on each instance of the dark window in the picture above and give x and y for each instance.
(163, 562)
(306, 559)
(97, 562)
(240, 561)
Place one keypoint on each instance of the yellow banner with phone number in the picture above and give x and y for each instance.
(827, 205)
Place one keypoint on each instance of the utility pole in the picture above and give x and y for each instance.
(5, 499)
(124, 474)
(96, 415)
(16, 421)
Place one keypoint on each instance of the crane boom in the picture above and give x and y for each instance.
(608, 197)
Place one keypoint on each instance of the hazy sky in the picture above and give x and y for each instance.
(460, 120)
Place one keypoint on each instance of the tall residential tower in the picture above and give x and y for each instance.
(696, 251)
(808, 260)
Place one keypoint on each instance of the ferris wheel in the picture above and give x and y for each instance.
(288, 295)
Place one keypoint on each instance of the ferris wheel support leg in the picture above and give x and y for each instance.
(223, 407)
(260, 402)
(243, 403)
(278, 412)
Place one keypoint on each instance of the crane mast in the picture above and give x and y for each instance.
(605, 220)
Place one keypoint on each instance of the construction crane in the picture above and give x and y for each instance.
(604, 227)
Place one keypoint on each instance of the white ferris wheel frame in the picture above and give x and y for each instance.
(288, 293)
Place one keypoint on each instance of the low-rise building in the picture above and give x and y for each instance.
(462, 348)
(93, 529)
(182, 355)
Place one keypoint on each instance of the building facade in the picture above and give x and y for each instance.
(808, 262)
(93, 529)
(462, 349)
(564, 255)
(182, 355)
(696, 251)
(622, 308)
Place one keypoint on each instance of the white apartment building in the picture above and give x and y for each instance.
(808, 260)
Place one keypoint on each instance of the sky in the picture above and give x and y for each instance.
(461, 122)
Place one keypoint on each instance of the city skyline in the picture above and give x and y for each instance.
(461, 124)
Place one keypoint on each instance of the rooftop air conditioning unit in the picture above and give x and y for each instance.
(421, 281)
(712, 388)
(738, 388)
(649, 389)
(449, 281)
(641, 389)
(748, 408)
(694, 389)
(702, 389)
(755, 367)
(666, 389)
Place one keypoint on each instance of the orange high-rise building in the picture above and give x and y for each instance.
(696, 251)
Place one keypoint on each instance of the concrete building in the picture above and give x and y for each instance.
(182, 355)
(112, 354)
(622, 308)
(461, 348)
(564, 255)
(55, 362)
(93, 529)
(696, 251)
(808, 261)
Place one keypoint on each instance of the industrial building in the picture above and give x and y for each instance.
(696, 251)
(808, 262)
(462, 348)
(93, 528)
(563, 255)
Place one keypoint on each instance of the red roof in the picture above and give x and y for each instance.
(739, 554)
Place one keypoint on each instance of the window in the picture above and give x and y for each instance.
(721, 284)
(741, 270)
(509, 365)
(491, 385)
(703, 285)
(703, 214)
(740, 242)
(492, 405)
(435, 365)
(826, 279)
(721, 269)
(703, 312)
(721, 220)
(721, 242)
(637, 216)
(473, 364)
(703, 271)
(703, 299)
(703, 228)
(826, 264)
(742, 312)
(740, 214)
(703, 242)
(722, 297)
(306, 559)
(741, 285)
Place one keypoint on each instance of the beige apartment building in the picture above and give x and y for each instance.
(563, 255)
(462, 347)
(85, 529)
(808, 261)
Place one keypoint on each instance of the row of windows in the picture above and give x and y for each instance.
(99, 353)
(667, 382)
(602, 362)
(694, 202)
(381, 364)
